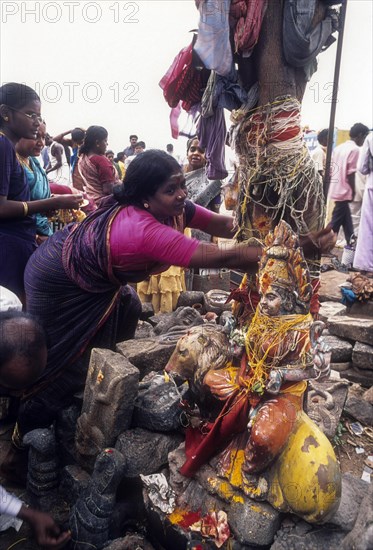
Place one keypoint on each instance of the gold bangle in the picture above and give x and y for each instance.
(25, 209)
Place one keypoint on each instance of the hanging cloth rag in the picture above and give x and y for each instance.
(174, 120)
(212, 133)
(224, 92)
(245, 19)
(182, 82)
(212, 45)
(301, 42)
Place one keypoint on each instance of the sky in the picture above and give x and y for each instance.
(101, 62)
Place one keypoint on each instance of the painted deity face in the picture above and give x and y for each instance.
(271, 302)
(169, 200)
(196, 155)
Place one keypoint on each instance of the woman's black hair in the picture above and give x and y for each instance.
(144, 175)
(16, 95)
(93, 134)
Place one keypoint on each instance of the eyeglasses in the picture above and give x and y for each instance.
(32, 116)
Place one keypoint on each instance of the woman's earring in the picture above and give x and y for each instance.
(146, 205)
(6, 118)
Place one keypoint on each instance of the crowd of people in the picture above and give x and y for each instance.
(349, 198)
(74, 283)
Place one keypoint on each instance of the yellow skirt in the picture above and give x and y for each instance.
(163, 290)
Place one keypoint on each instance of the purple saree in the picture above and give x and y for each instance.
(71, 289)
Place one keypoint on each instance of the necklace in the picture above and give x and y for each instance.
(24, 161)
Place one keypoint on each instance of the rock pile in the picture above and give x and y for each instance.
(129, 406)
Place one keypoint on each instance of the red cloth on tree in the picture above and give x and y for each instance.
(245, 18)
(182, 82)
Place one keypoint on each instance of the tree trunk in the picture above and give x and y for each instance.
(277, 178)
(275, 76)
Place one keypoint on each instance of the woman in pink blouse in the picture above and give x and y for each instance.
(76, 283)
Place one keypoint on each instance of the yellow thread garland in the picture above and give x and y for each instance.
(264, 329)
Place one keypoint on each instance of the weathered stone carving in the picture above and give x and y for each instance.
(90, 516)
(109, 397)
(43, 473)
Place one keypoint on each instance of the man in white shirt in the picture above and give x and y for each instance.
(318, 155)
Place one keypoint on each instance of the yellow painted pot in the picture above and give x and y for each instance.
(306, 478)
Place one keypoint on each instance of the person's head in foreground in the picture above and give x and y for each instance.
(23, 357)
(23, 350)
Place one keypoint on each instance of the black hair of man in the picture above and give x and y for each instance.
(78, 135)
(322, 137)
(133, 136)
(140, 144)
(15, 340)
(358, 129)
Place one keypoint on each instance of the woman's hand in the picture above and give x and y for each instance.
(67, 202)
(47, 532)
(323, 240)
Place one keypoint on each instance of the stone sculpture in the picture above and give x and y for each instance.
(43, 474)
(91, 514)
(109, 397)
(261, 440)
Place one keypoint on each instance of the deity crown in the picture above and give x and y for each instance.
(283, 264)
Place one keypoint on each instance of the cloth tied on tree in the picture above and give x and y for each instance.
(212, 45)
(245, 19)
(183, 82)
(301, 41)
